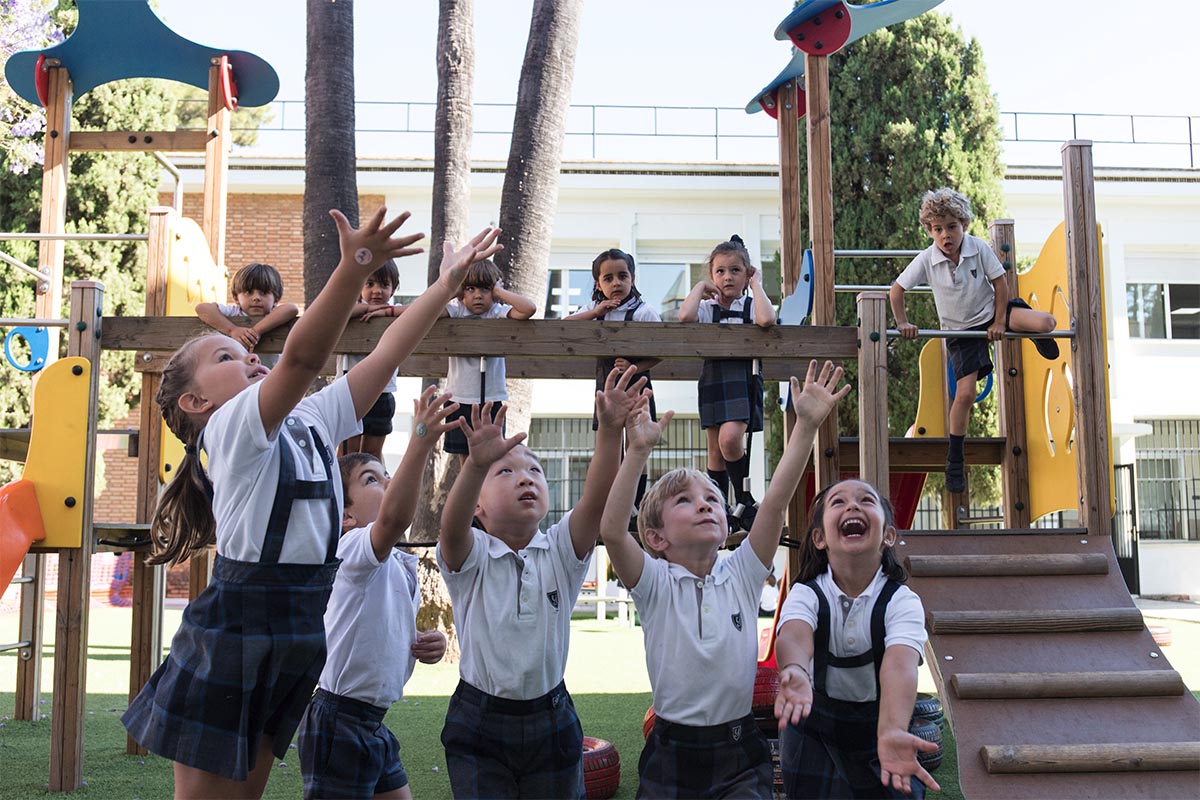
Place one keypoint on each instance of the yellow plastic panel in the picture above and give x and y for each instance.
(58, 449)
(931, 401)
(192, 277)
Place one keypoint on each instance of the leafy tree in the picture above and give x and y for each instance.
(911, 111)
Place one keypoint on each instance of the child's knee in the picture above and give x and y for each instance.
(731, 441)
(1047, 323)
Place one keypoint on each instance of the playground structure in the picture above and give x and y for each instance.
(541, 349)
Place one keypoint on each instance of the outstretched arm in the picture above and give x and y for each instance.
(794, 652)
(486, 444)
(812, 405)
(641, 434)
(314, 336)
(898, 748)
(368, 377)
(400, 500)
(613, 404)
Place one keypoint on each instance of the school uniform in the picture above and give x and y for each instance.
(511, 728)
(729, 389)
(378, 419)
(234, 310)
(634, 309)
(833, 752)
(702, 656)
(250, 648)
(463, 380)
(370, 625)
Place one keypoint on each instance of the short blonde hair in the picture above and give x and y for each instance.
(650, 512)
(945, 202)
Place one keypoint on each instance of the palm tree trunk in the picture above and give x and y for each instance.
(330, 179)
(529, 198)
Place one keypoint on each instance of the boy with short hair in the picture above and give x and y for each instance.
(970, 293)
(256, 289)
(699, 614)
(371, 624)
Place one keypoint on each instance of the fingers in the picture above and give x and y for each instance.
(340, 221)
(924, 777)
(665, 421)
(390, 228)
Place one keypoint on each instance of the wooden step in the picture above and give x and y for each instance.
(1031, 685)
(980, 566)
(1115, 757)
(1070, 620)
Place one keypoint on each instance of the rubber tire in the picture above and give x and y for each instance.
(601, 768)
(648, 722)
(766, 689)
(928, 730)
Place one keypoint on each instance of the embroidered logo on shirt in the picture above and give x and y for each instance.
(737, 620)
(553, 597)
(974, 273)
(736, 730)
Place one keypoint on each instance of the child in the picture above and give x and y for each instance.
(246, 658)
(257, 289)
(375, 300)
(371, 625)
(850, 640)
(731, 393)
(481, 297)
(615, 297)
(698, 614)
(971, 294)
(511, 728)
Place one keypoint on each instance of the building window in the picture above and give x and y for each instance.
(1163, 310)
(663, 288)
(566, 446)
(1168, 480)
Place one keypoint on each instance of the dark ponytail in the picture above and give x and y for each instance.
(613, 254)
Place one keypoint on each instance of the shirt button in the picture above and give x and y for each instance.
(850, 640)
(708, 609)
(699, 584)
(291, 421)
(303, 443)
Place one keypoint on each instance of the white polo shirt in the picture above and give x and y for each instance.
(704, 313)
(963, 294)
(701, 636)
(643, 312)
(512, 611)
(371, 622)
(244, 467)
(850, 628)
(462, 375)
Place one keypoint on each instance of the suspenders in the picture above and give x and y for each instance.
(290, 489)
(719, 312)
(823, 659)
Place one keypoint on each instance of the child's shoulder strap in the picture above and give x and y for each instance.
(629, 312)
(878, 626)
(820, 637)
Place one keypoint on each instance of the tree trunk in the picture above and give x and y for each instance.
(529, 198)
(330, 178)
(450, 220)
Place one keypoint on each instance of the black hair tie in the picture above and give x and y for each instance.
(191, 450)
(736, 239)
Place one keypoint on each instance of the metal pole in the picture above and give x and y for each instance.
(938, 333)
(75, 237)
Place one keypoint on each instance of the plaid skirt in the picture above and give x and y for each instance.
(833, 754)
(500, 748)
(729, 391)
(243, 664)
(728, 760)
(346, 750)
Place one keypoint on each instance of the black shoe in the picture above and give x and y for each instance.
(1047, 348)
(743, 514)
(956, 479)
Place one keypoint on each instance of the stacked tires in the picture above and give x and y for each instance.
(601, 769)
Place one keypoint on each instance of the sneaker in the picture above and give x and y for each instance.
(956, 478)
(743, 514)
(1047, 348)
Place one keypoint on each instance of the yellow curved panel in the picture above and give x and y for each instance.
(58, 449)
(192, 277)
(931, 400)
(1049, 399)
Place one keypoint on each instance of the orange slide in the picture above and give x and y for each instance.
(20, 526)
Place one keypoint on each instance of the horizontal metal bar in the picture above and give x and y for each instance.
(938, 333)
(4, 648)
(876, 253)
(13, 322)
(866, 287)
(75, 237)
(16, 581)
(980, 520)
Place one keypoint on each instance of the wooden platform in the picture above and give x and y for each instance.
(1077, 700)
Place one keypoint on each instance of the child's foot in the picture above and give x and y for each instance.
(956, 478)
(1047, 348)
(743, 514)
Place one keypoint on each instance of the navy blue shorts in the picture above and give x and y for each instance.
(975, 355)
(346, 750)
(732, 759)
(378, 419)
(455, 440)
(499, 748)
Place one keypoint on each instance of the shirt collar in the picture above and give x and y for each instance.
(872, 588)
(967, 249)
(682, 574)
(498, 549)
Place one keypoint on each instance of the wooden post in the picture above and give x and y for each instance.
(1010, 381)
(1093, 448)
(145, 643)
(75, 568)
(820, 220)
(872, 389)
(55, 170)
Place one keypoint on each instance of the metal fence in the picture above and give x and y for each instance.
(1168, 480)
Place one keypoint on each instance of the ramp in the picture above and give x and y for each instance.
(1052, 684)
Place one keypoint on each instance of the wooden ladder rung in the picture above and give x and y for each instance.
(1115, 757)
(1068, 620)
(981, 566)
(1033, 685)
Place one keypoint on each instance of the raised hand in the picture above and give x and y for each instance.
(429, 418)
(485, 437)
(795, 697)
(898, 763)
(641, 432)
(455, 262)
(819, 397)
(429, 647)
(619, 396)
(372, 244)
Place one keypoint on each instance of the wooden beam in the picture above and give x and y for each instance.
(791, 244)
(1030, 685)
(1093, 448)
(1065, 620)
(923, 455)
(216, 165)
(873, 447)
(1115, 757)
(141, 141)
(992, 566)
